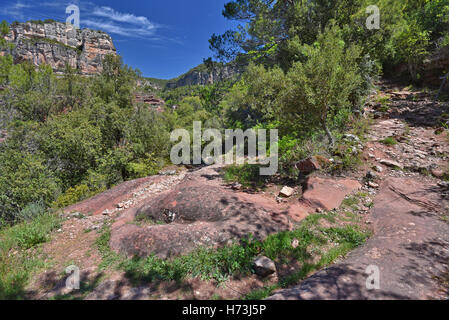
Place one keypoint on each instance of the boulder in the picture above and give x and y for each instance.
(264, 266)
(311, 164)
(286, 192)
(197, 213)
(391, 163)
(437, 173)
(328, 194)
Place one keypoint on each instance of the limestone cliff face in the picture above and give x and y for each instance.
(56, 44)
(201, 76)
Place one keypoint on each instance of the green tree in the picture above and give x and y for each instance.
(24, 179)
(319, 89)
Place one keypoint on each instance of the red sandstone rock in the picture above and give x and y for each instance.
(326, 193)
(311, 164)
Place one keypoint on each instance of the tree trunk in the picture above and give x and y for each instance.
(329, 135)
(326, 129)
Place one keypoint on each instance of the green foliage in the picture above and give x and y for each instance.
(143, 168)
(17, 261)
(73, 195)
(253, 98)
(75, 136)
(412, 43)
(24, 179)
(389, 141)
(109, 257)
(29, 235)
(318, 91)
(247, 175)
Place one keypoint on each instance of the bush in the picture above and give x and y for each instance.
(247, 175)
(24, 179)
(31, 211)
(17, 263)
(72, 195)
(143, 168)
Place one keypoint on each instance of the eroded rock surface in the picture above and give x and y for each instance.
(410, 247)
(328, 194)
(56, 44)
(203, 214)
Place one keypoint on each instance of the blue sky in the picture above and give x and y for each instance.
(162, 38)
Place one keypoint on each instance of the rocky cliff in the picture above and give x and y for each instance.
(200, 75)
(56, 44)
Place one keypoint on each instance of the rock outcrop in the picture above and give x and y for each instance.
(56, 43)
(409, 248)
(200, 75)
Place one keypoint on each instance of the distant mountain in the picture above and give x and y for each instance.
(201, 75)
(56, 44)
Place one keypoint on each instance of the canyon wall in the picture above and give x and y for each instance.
(56, 44)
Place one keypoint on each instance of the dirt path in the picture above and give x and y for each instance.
(410, 246)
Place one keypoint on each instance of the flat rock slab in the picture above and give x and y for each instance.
(410, 247)
(201, 214)
(200, 211)
(328, 194)
(108, 200)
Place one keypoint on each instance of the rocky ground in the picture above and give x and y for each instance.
(410, 245)
(404, 203)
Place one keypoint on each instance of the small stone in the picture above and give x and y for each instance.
(391, 163)
(319, 210)
(264, 266)
(351, 137)
(378, 168)
(236, 186)
(371, 175)
(443, 184)
(312, 164)
(373, 185)
(279, 199)
(286, 192)
(295, 243)
(437, 173)
(106, 212)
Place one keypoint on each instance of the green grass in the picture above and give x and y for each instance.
(389, 141)
(236, 260)
(347, 238)
(109, 257)
(20, 256)
(350, 202)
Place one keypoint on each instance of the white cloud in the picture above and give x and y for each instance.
(111, 27)
(103, 18)
(126, 24)
(108, 12)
